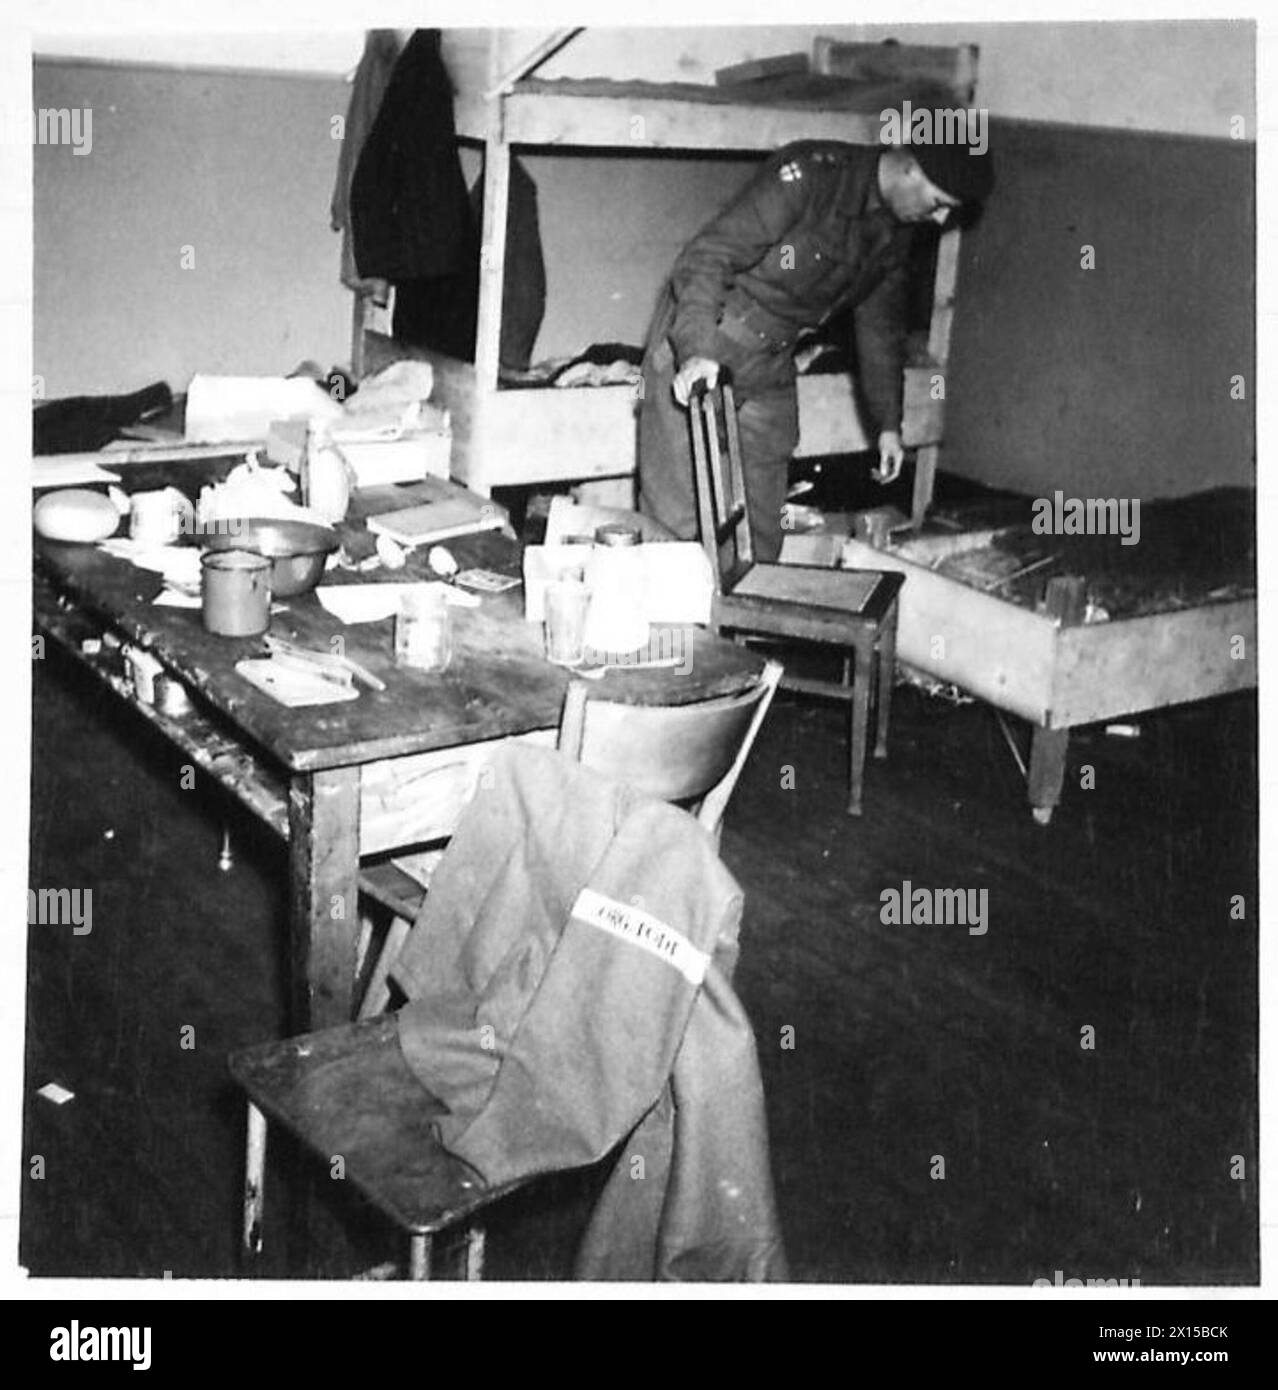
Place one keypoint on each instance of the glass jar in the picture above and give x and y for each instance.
(423, 630)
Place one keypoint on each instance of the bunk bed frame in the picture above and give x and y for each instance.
(538, 435)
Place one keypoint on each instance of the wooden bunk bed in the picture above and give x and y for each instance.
(537, 435)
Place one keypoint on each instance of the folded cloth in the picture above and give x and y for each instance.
(568, 987)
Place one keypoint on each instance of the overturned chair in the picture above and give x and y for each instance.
(568, 998)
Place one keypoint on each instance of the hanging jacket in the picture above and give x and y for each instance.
(409, 208)
(372, 77)
(568, 988)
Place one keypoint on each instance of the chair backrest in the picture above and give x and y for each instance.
(676, 752)
(723, 514)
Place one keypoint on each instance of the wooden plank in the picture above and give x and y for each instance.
(529, 62)
(829, 422)
(416, 799)
(552, 434)
(944, 294)
(754, 68)
(995, 650)
(952, 68)
(828, 419)
(323, 810)
(1109, 669)
(492, 258)
(639, 122)
(922, 417)
(925, 465)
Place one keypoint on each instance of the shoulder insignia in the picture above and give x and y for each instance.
(790, 172)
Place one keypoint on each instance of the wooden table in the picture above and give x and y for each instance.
(350, 779)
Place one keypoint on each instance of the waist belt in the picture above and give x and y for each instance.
(772, 337)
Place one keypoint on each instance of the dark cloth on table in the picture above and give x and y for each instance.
(553, 1039)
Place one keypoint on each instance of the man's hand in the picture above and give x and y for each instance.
(891, 457)
(695, 369)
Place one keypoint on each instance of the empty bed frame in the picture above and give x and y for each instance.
(538, 435)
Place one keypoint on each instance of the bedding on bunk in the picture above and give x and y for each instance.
(601, 364)
(1191, 550)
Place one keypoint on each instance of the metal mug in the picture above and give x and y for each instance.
(236, 588)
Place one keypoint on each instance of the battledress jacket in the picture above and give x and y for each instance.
(569, 999)
(807, 237)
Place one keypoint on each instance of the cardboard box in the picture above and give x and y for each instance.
(409, 459)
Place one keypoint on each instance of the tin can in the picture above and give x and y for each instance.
(236, 588)
(617, 533)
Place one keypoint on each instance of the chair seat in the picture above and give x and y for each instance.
(847, 590)
(348, 1092)
(808, 602)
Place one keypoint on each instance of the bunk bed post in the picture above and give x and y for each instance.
(492, 258)
(944, 290)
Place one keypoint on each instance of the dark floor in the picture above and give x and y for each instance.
(911, 1041)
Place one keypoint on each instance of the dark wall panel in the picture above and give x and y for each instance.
(1113, 381)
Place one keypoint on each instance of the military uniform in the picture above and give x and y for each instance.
(806, 238)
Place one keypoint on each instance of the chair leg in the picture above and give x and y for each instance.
(887, 675)
(254, 1181)
(475, 1254)
(377, 995)
(860, 729)
(419, 1258)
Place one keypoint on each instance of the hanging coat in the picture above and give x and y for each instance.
(409, 207)
(372, 77)
(568, 988)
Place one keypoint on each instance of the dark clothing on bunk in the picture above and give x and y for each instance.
(415, 224)
(807, 238)
(80, 424)
(441, 313)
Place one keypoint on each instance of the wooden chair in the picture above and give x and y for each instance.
(855, 610)
(346, 1092)
(676, 752)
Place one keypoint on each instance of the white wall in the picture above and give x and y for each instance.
(240, 168)
(1182, 78)
(1185, 78)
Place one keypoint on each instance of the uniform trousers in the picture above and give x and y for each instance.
(768, 423)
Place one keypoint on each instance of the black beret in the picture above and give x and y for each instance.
(957, 170)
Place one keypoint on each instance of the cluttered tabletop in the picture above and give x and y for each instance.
(317, 678)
